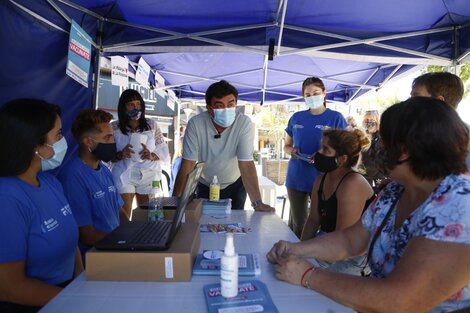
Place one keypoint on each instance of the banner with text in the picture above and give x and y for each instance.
(143, 72)
(78, 62)
(119, 68)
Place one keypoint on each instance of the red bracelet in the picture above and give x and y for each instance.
(303, 276)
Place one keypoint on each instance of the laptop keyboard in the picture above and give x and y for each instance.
(151, 232)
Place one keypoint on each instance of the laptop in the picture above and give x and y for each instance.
(151, 236)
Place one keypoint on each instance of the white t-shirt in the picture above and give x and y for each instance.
(221, 155)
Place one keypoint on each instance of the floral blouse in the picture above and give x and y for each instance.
(443, 216)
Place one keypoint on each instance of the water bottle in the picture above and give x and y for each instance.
(155, 212)
(214, 190)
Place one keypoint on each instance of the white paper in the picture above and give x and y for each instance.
(142, 73)
(119, 69)
(136, 141)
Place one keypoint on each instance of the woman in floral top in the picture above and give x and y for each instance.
(417, 232)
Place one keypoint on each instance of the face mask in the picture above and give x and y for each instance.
(370, 125)
(324, 163)
(224, 117)
(60, 148)
(104, 151)
(314, 102)
(134, 114)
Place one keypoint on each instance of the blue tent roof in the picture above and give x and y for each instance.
(354, 46)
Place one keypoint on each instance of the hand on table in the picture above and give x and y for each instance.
(281, 250)
(264, 208)
(292, 269)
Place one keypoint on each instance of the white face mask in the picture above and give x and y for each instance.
(60, 148)
(314, 102)
(224, 117)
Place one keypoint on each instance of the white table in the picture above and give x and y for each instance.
(144, 297)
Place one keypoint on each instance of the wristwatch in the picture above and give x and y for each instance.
(256, 203)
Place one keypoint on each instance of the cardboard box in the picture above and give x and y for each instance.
(174, 264)
(192, 213)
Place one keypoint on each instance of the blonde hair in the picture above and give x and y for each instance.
(349, 142)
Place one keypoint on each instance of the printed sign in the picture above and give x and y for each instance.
(119, 69)
(143, 72)
(78, 62)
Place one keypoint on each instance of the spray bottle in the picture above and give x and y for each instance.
(229, 269)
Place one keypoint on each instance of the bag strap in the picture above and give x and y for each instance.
(378, 232)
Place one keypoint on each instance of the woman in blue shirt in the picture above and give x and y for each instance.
(38, 234)
(304, 133)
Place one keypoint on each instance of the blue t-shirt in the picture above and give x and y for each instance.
(305, 129)
(444, 216)
(92, 195)
(37, 227)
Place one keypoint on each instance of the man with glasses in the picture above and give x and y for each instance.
(223, 139)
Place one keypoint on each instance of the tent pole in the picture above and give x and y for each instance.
(97, 74)
(283, 18)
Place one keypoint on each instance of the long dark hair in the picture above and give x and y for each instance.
(128, 96)
(24, 124)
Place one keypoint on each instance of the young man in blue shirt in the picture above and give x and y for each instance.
(88, 183)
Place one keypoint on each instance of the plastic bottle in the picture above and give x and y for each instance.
(155, 212)
(214, 190)
(229, 269)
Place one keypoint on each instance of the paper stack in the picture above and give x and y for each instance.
(221, 207)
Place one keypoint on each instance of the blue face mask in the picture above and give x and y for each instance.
(134, 114)
(224, 117)
(60, 148)
(314, 102)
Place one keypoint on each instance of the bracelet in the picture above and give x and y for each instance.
(306, 285)
(307, 281)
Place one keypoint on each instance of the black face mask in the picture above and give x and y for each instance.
(105, 151)
(324, 163)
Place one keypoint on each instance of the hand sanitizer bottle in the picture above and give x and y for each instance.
(229, 269)
(214, 190)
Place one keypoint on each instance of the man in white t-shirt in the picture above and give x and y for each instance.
(223, 139)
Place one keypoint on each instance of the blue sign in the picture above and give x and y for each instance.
(78, 63)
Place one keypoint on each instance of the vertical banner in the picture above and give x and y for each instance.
(143, 72)
(159, 80)
(119, 68)
(78, 63)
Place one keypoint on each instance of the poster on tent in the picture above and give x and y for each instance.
(78, 62)
(142, 73)
(119, 67)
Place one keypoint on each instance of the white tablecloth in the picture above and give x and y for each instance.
(147, 297)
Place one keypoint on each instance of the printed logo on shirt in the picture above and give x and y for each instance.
(298, 126)
(50, 225)
(66, 210)
(322, 127)
(112, 189)
(99, 194)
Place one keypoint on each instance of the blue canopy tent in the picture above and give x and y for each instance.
(265, 48)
